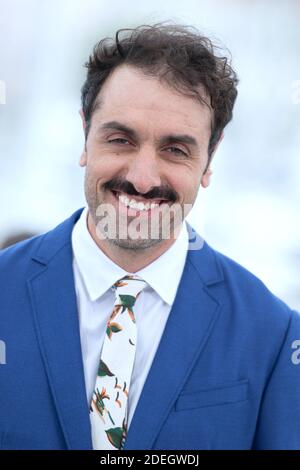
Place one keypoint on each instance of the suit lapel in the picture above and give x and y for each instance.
(189, 325)
(54, 307)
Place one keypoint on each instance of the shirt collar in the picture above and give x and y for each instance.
(99, 272)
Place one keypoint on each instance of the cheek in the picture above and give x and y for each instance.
(101, 167)
(185, 183)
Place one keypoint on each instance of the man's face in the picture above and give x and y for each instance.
(148, 143)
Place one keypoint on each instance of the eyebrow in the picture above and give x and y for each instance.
(167, 139)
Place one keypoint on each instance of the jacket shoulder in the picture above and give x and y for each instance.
(13, 255)
(246, 288)
(41, 247)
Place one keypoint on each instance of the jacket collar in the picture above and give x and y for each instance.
(200, 253)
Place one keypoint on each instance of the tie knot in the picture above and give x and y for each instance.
(127, 290)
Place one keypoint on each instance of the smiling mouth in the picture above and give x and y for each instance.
(137, 203)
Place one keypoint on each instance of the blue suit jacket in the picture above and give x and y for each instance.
(223, 376)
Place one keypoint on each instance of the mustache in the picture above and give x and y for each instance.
(164, 192)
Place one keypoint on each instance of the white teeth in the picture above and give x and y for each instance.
(137, 205)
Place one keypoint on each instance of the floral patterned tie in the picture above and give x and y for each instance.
(108, 410)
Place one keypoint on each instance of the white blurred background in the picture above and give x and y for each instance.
(250, 211)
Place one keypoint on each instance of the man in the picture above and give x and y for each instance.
(119, 337)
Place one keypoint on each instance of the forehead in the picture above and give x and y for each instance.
(130, 94)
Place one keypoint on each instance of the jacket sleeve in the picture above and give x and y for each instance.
(279, 416)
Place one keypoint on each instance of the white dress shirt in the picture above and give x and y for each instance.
(94, 275)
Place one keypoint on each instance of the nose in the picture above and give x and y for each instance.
(143, 171)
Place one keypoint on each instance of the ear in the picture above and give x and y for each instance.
(205, 180)
(83, 157)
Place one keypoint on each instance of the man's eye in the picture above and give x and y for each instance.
(118, 141)
(177, 151)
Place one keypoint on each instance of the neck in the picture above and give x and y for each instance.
(129, 260)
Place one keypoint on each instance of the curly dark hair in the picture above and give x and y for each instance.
(178, 55)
